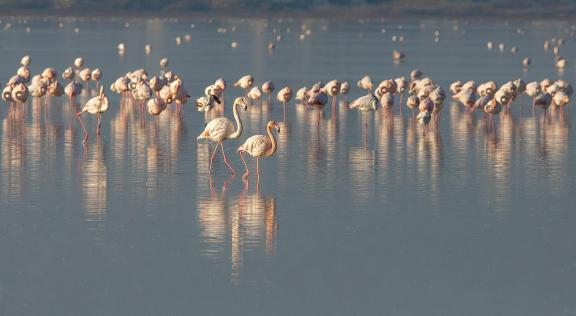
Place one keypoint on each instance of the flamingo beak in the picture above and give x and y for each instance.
(278, 129)
(245, 107)
(217, 99)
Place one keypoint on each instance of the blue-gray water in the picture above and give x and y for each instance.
(466, 220)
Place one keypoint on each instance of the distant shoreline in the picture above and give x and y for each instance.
(442, 12)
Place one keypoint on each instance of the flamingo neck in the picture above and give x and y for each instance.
(272, 141)
(238, 131)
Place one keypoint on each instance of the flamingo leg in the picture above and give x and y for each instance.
(333, 102)
(400, 104)
(318, 120)
(365, 129)
(284, 110)
(212, 157)
(226, 159)
(245, 165)
(83, 127)
(99, 120)
(258, 168)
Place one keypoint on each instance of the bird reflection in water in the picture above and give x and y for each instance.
(362, 163)
(247, 222)
(94, 177)
(13, 156)
(429, 164)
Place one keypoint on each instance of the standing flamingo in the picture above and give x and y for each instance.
(401, 85)
(245, 83)
(367, 103)
(318, 99)
(96, 106)
(221, 129)
(284, 96)
(344, 89)
(533, 90)
(365, 83)
(412, 103)
(332, 88)
(268, 87)
(259, 146)
(254, 94)
(423, 118)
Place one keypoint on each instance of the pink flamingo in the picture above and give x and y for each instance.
(259, 146)
(221, 129)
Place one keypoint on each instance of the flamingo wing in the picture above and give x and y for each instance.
(256, 145)
(218, 129)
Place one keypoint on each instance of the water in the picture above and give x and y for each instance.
(466, 220)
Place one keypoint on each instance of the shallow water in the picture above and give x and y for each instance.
(468, 219)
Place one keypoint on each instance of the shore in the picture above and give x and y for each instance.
(391, 12)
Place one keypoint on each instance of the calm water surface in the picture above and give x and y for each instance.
(466, 220)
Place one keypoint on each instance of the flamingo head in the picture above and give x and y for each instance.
(273, 124)
(242, 101)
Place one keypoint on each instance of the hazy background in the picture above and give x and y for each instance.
(540, 9)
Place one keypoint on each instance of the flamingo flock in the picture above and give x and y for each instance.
(153, 94)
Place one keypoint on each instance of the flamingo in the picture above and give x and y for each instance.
(437, 96)
(268, 87)
(367, 103)
(424, 117)
(49, 74)
(155, 106)
(456, 87)
(332, 88)
(68, 74)
(543, 101)
(487, 88)
(412, 103)
(164, 62)
(205, 104)
(533, 90)
(480, 103)
(416, 74)
(20, 93)
(121, 86)
(301, 95)
(142, 93)
(401, 85)
(38, 86)
(156, 83)
(318, 99)
(387, 100)
(25, 61)
(24, 73)
(493, 107)
(344, 89)
(284, 96)
(96, 76)
(179, 94)
(259, 146)
(55, 89)
(503, 97)
(86, 75)
(365, 83)
(95, 106)
(561, 99)
(254, 94)
(245, 82)
(221, 129)
(221, 85)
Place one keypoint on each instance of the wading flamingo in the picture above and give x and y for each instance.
(221, 129)
(259, 146)
(95, 106)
